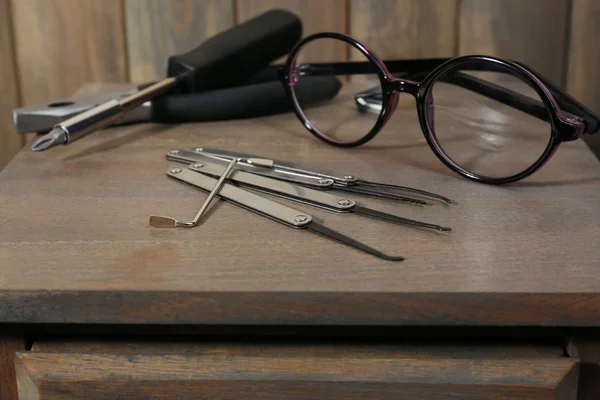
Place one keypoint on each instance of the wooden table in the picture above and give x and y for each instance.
(77, 257)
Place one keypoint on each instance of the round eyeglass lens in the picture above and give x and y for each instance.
(487, 120)
(353, 113)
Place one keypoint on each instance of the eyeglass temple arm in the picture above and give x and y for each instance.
(499, 93)
(568, 103)
(487, 89)
(504, 95)
(536, 108)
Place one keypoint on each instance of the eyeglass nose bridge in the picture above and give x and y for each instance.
(404, 86)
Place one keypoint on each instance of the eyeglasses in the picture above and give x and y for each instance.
(487, 119)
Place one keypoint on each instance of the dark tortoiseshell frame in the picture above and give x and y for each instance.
(568, 118)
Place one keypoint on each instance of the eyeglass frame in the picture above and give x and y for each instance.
(568, 123)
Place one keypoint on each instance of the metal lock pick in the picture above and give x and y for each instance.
(159, 221)
(348, 183)
(316, 198)
(286, 215)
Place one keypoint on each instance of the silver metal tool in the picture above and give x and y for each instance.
(284, 173)
(42, 118)
(306, 195)
(100, 116)
(369, 100)
(249, 164)
(159, 221)
(270, 209)
(348, 183)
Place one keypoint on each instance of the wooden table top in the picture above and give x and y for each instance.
(75, 244)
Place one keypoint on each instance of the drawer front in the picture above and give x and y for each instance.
(157, 371)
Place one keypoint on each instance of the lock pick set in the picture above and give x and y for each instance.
(235, 177)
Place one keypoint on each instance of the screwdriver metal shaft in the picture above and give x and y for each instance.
(99, 117)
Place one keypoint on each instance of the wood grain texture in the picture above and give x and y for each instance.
(316, 16)
(70, 43)
(583, 76)
(75, 221)
(10, 142)
(9, 345)
(587, 350)
(157, 29)
(406, 28)
(533, 32)
(413, 349)
(289, 372)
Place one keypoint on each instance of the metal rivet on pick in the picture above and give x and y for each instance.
(300, 218)
(175, 170)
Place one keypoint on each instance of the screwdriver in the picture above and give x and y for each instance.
(100, 116)
(225, 60)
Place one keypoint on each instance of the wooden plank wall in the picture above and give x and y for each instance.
(50, 48)
(9, 142)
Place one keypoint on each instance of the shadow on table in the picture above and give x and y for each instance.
(143, 132)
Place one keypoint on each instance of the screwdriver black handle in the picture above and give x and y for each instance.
(224, 60)
(231, 57)
(248, 101)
